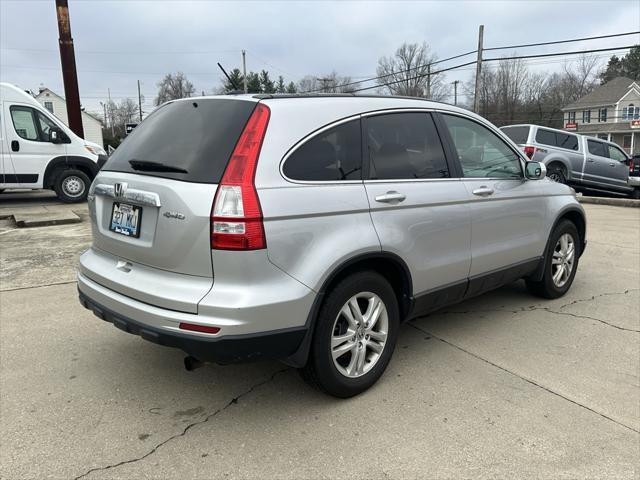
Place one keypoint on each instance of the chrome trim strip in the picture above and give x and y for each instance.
(150, 199)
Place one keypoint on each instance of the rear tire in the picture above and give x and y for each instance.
(560, 262)
(636, 193)
(556, 174)
(349, 350)
(72, 186)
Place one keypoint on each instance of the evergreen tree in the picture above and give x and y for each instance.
(280, 86)
(253, 83)
(266, 83)
(237, 79)
(291, 88)
(627, 66)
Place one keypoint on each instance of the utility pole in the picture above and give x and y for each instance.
(476, 93)
(429, 81)
(140, 100)
(69, 74)
(455, 91)
(110, 111)
(104, 108)
(244, 71)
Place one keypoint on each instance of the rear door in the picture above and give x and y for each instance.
(151, 203)
(602, 170)
(507, 211)
(418, 205)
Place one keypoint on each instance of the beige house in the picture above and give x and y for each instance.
(611, 112)
(57, 105)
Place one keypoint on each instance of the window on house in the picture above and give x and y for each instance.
(572, 117)
(586, 116)
(626, 141)
(49, 106)
(602, 115)
(630, 112)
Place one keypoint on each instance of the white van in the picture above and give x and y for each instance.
(38, 151)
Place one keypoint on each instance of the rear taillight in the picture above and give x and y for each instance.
(236, 216)
(632, 166)
(529, 151)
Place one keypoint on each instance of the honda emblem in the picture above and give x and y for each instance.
(119, 189)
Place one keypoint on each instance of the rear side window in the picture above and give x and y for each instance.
(519, 135)
(616, 154)
(597, 148)
(197, 135)
(333, 155)
(557, 139)
(404, 146)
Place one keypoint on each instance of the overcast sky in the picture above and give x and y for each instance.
(119, 42)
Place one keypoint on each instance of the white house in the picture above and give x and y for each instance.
(57, 105)
(611, 112)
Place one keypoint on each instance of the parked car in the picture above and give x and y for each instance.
(634, 175)
(307, 228)
(574, 159)
(38, 151)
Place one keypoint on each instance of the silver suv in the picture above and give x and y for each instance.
(308, 228)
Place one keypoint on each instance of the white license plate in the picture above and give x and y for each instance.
(125, 219)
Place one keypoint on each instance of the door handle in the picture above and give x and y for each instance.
(483, 191)
(15, 145)
(590, 160)
(612, 164)
(391, 196)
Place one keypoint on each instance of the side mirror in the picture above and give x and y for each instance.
(56, 135)
(535, 170)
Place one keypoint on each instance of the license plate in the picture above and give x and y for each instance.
(125, 219)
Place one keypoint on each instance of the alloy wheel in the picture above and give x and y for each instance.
(563, 259)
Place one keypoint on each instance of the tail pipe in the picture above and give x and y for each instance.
(191, 363)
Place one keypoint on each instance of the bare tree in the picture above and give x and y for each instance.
(330, 83)
(174, 86)
(122, 113)
(407, 72)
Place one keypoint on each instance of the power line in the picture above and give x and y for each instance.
(562, 41)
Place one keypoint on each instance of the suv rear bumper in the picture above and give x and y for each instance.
(224, 350)
(634, 181)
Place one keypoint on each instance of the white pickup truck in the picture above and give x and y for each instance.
(578, 160)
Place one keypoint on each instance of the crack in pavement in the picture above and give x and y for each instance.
(532, 308)
(38, 286)
(489, 362)
(187, 428)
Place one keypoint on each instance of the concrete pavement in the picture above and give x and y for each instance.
(504, 385)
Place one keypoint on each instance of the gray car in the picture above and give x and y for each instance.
(308, 228)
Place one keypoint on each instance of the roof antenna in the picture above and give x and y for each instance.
(235, 87)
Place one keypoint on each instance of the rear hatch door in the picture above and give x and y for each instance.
(151, 202)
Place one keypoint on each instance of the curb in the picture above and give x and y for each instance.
(615, 202)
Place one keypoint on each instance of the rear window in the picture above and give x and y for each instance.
(519, 135)
(557, 139)
(197, 135)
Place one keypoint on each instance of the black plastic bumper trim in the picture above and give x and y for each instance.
(277, 344)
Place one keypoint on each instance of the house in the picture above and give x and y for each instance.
(611, 112)
(57, 105)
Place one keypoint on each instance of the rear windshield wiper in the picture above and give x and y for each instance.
(146, 166)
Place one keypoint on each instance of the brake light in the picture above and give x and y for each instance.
(529, 151)
(631, 166)
(236, 216)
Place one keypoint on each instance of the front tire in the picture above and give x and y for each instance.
(561, 262)
(354, 337)
(72, 186)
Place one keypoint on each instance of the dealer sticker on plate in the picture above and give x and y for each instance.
(125, 219)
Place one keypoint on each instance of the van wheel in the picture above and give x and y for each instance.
(561, 262)
(355, 335)
(72, 186)
(556, 173)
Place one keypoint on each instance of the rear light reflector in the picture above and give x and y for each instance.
(236, 215)
(529, 151)
(198, 328)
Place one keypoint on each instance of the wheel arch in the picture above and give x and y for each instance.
(65, 162)
(560, 161)
(388, 264)
(575, 215)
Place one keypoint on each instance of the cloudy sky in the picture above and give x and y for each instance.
(120, 42)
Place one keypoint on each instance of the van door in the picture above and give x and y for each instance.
(4, 152)
(418, 206)
(603, 171)
(27, 136)
(507, 211)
